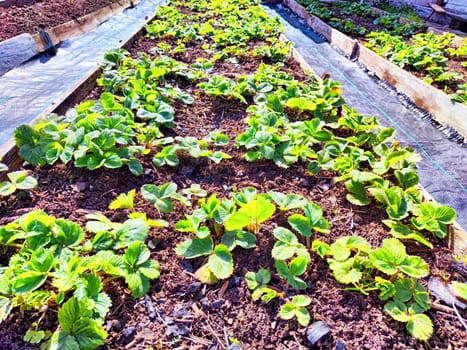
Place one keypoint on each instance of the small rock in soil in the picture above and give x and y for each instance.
(235, 295)
(194, 288)
(235, 281)
(186, 265)
(117, 324)
(23, 195)
(150, 308)
(128, 334)
(80, 186)
(217, 304)
(153, 243)
(324, 185)
(176, 330)
(305, 182)
(317, 331)
(340, 345)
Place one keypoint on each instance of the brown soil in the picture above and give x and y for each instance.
(189, 315)
(16, 20)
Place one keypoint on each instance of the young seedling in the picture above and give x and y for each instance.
(251, 215)
(410, 301)
(116, 235)
(313, 220)
(297, 308)
(287, 202)
(433, 217)
(287, 245)
(402, 231)
(123, 201)
(163, 196)
(392, 259)
(349, 261)
(139, 269)
(17, 180)
(394, 199)
(78, 329)
(258, 283)
(291, 271)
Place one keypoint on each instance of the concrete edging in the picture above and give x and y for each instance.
(443, 109)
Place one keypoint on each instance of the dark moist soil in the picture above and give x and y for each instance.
(16, 20)
(189, 315)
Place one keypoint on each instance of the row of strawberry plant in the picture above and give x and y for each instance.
(388, 22)
(55, 264)
(428, 54)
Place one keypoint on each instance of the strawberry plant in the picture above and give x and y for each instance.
(258, 283)
(251, 215)
(354, 262)
(288, 201)
(163, 196)
(221, 86)
(123, 201)
(223, 220)
(55, 265)
(169, 155)
(296, 307)
(17, 180)
(139, 270)
(78, 329)
(288, 246)
(313, 220)
(433, 217)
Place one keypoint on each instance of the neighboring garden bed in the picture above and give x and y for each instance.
(209, 143)
(28, 18)
(437, 59)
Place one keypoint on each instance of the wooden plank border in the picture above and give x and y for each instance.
(443, 109)
(83, 24)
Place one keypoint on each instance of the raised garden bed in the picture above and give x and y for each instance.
(440, 104)
(228, 88)
(46, 36)
(29, 17)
